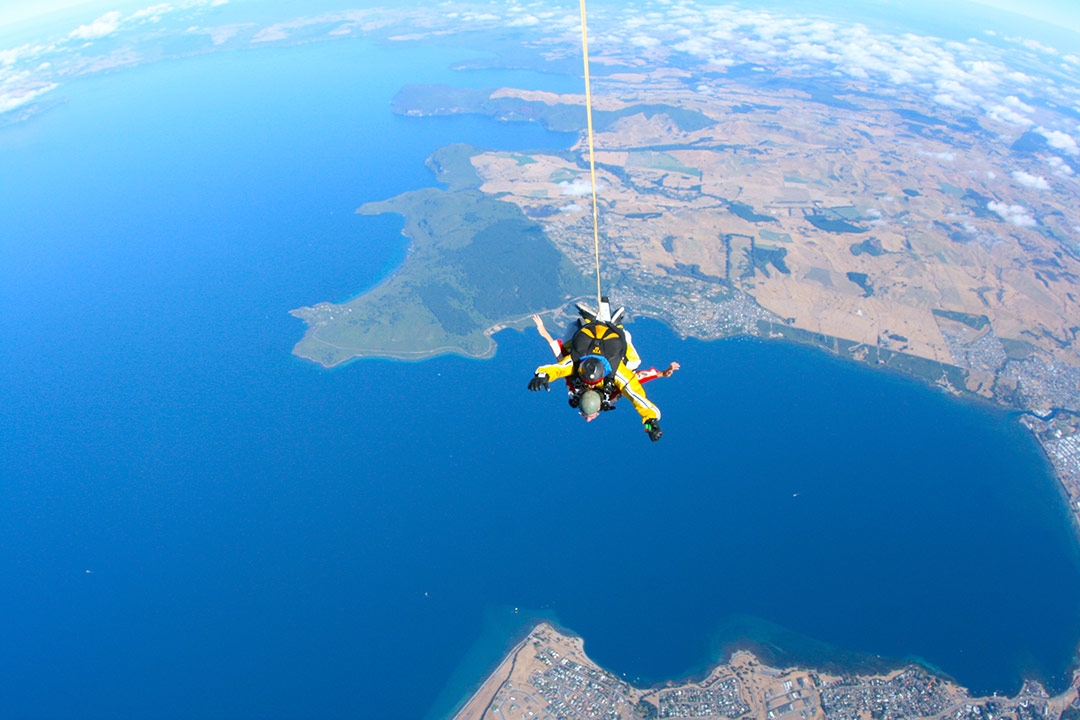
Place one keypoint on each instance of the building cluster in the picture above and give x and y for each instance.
(1023, 710)
(720, 700)
(985, 353)
(1065, 456)
(572, 690)
(1059, 435)
(793, 696)
(554, 682)
(1046, 384)
(912, 693)
(699, 310)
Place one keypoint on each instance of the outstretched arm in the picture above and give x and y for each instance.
(556, 348)
(652, 373)
(560, 369)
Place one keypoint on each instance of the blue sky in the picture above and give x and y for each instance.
(977, 60)
(1060, 12)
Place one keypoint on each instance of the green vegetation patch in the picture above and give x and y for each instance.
(831, 223)
(863, 281)
(1017, 349)
(870, 246)
(761, 256)
(747, 212)
(452, 164)
(660, 161)
(687, 120)
(771, 236)
(514, 269)
(847, 212)
(975, 322)
(978, 204)
(474, 262)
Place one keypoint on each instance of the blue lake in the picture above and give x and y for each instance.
(268, 539)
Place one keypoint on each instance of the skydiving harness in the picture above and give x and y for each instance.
(608, 391)
(601, 339)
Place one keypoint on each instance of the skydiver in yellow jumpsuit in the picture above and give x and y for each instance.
(602, 358)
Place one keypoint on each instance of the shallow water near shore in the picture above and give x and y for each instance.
(197, 523)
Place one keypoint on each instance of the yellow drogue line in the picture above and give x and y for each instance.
(592, 158)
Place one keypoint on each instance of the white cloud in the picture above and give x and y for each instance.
(959, 92)
(1012, 214)
(18, 98)
(577, 188)
(152, 13)
(984, 72)
(991, 175)
(220, 34)
(1018, 104)
(271, 34)
(524, 21)
(900, 77)
(1059, 140)
(23, 53)
(948, 101)
(105, 25)
(644, 41)
(1004, 114)
(696, 46)
(1039, 47)
(943, 156)
(1032, 181)
(1059, 167)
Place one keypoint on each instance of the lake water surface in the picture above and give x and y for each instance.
(196, 523)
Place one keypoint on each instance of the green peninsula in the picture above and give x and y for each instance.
(474, 264)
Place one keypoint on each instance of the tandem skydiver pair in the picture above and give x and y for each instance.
(601, 364)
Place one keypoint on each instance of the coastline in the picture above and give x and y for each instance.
(549, 675)
(1060, 447)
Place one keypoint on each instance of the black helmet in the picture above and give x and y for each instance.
(591, 370)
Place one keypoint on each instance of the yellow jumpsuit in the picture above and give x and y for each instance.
(625, 379)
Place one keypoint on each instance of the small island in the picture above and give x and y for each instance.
(548, 676)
